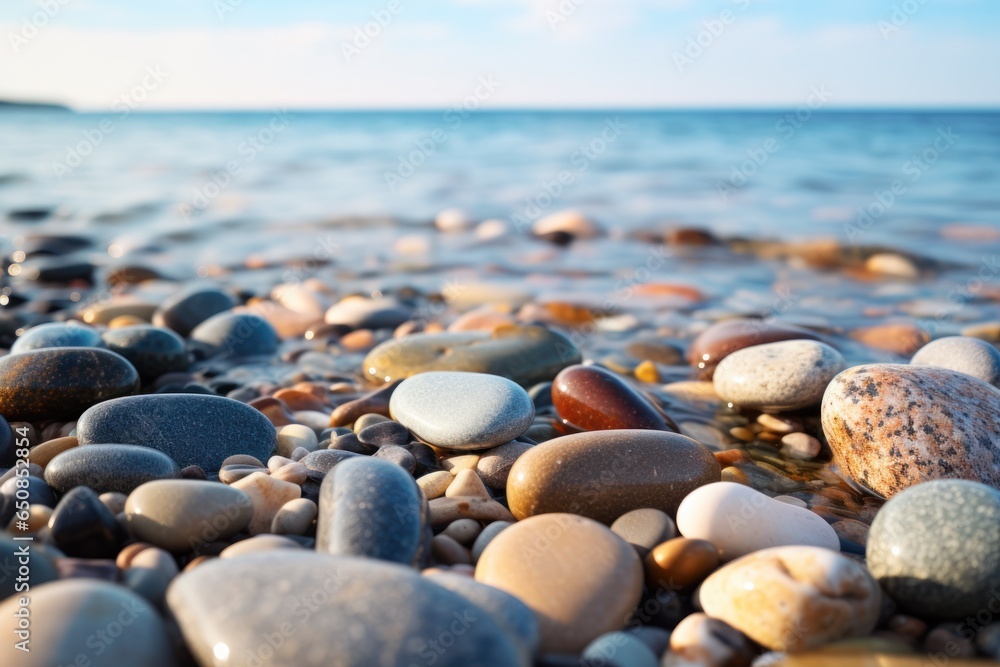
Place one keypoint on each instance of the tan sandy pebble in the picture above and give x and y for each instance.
(258, 544)
(297, 435)
(742, 433)
(434, 484)
(700, 641)
(448, 551)
(734, 475)
(267, 495)
(125, 556)
(445, 510)
(793, 598)
(800, 446)
(293, 472)
(276, 462)
(150, 572)
(680, 564)
(114, 501)
(579, 578)
(463, 531)
(892, 264)
(776, 424)
(464, 462)
(295, 517)
(317, 420)
(900, 338)
(45, 452)
(467, 484)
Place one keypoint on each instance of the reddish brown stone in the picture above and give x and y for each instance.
(723, 338)
(275, 410)
(595, 399)
(299, 400)
(376, 402)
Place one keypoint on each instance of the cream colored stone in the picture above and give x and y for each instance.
(700, 641)
(267, 495)
(294, 436)
(435, 484)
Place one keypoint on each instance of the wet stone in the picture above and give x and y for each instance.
(593, 399)
(232, 334)
(152, 350)
(61, 383)
(191, 306)
(723, 338)
(106, 468)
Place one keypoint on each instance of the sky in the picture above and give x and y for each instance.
(323, 54)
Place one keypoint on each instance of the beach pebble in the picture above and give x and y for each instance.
(237, 334)
(43, 566)
(494, 465)
(453, 220)
(486, 536)
(106, 468)
(592, 398)
(723, 338)
(604, 474)
(359, 312)
(189, 428)
(680, 564)
(293, 436)
(295, 517)
(362, 611)
(740, 520)
(258, 544)
(618, 649)
(463, 531)
(57, 334)
(570, 222)
(381, 433)
(701, 641)
(397, 456)
(191, 306)
(462, 410)
(182, 515)
(776, 377)
(373, 509)
(445, 550)
(960, 353)
(74, 610)
(324, 460)
(892, 264)
(152, 350)
(793, 598)
(934, 548)
(268, 494)
(82, 526)
(800, 446)
(435, 484)
(61, 383)
(902, 338)
(644, 529)
(525, 354)
(149, 573)
(892, 426)
(579, 578)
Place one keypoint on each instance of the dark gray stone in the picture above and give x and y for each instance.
(56, 334)
(935, 548)
(361, 613)
(191, 306)
(8, 445)
(371, 508)
(323, 460)
(106, 468)
(42, 566)
(83, 527)
(384, 433)
(39, 493)
(237, 335)
(152, 350)
(397, 456)
(189, 428)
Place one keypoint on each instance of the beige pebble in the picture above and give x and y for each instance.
(313, 419)
(114, 501)
(242, 460)
(45, 452)
(295, 517)
(445, 510)
(257, 544)
(463, 462)
(150, 572)
(293, 472)
(776, 424)
(742, 433)
(892, 264)
(38, 518)
(293, 436)
(800, 446)
(793, 598)
(700, 641)
(463, 531)
(277, 462)
(267, 495)
(735, 475)
(434, 484)
(467, 484)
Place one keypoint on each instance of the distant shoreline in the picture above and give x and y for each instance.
(31, 106)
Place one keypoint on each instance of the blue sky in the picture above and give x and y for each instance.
(540, 53)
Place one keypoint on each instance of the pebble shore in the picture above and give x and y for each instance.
(302, 475)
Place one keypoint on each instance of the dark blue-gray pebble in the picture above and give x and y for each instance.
(106, 468)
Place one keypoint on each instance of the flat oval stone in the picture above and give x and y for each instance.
(370, 508)
(892, 426)
(680, 564)
(594, 399)
(723, 338)
(739, 520)
(971, 356)
(237, 335)
(191, 306)
(787, 375)
(935, 548)
(361, 313)
(524, 354)
(152, 350)
(362, 613)
(793, 598)
(60, 383)
(106, 468)
(74, 610)
(181, 515)
(459, 411)
(579, 578)
(191, 429)
(604, 474)
(56, 334)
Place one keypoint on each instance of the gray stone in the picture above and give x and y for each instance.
(371, 508)
(42, 566)
(618, 649)
(354, 612)
(191, 429)
(486, 536)
(191, 306)
(397, 456)
(87, 622)
(458, 411)
(971, 356)
(787, 375)
(494, 465)
(644, 529)
(152, 350)
(324, 460)
(935, 548)
(56, 334)
(237, 335)
(109, 468)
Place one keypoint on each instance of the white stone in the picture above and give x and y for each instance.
(571, 222)
(293, 436)
(971, 356)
